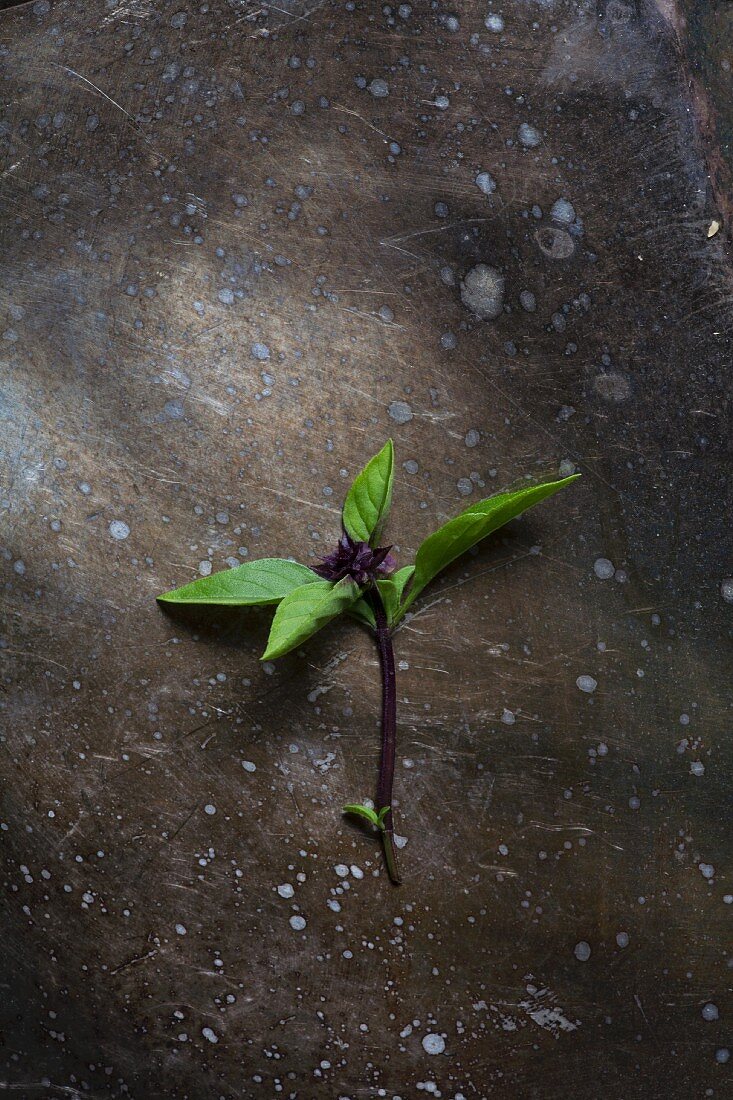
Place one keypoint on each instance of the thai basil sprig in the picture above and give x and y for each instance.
(359, 577)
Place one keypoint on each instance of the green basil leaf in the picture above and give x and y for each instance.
(368, 500)
(391, 589)
(362, 811)
(264, 581)
(465, 530)
(304, 611)
(363, 613)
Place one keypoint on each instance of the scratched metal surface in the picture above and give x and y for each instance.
(231, 268)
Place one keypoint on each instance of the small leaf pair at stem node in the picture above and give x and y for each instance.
(364, 810)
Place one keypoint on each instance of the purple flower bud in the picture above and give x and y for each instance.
(388, 565)
(356, 560)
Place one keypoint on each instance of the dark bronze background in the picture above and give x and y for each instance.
(223, 289)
